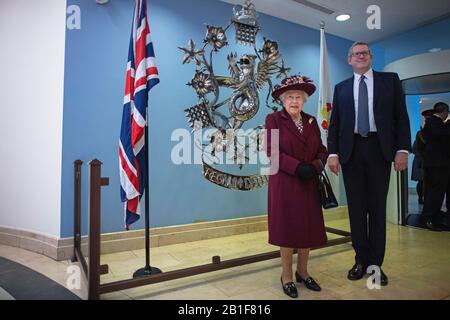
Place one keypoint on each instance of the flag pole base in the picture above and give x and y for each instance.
(146, 271)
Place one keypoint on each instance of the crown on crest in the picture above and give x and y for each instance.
(245, 13)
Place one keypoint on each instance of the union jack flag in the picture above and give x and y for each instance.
(141, 76)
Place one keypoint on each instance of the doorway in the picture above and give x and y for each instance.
(426, 80)
(414, 188)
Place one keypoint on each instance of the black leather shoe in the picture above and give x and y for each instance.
(444, 223)
(356, 272)
(290, 289)
(384, 280)
(309, 282)
(432, 226)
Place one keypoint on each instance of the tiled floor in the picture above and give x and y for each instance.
(414, 217)
(417, 263)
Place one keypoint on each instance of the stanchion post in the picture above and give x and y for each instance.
(77, 208)
(96, 182)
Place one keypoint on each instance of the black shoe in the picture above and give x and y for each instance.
(444, 223)
(432, 226)
(383, 277)
(310, 283)
(290, 289)
(444, 226)
(356, 272)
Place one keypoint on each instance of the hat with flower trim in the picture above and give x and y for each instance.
(296, 82)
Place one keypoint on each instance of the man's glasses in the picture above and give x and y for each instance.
(361, 53)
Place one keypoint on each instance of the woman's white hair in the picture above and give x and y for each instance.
(304, 94)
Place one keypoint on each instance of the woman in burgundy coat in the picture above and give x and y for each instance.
(294, 209)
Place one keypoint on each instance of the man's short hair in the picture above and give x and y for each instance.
(440, 107)
(357, 43)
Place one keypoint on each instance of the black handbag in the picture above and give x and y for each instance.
(327, 197)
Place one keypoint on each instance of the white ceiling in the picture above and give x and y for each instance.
(397, 16)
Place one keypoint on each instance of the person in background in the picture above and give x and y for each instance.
(445, 219)
(417, 170)
(418, 150)
(436, 165)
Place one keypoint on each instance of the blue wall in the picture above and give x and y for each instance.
(416, 41)
(95, 67)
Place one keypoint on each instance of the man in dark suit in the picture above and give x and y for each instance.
(419, 152)
(446, 220)
(369, 128)
(436, 165)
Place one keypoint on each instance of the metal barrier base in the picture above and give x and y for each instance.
(216, 265)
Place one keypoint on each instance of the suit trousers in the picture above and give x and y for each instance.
(366, 180)
(437, 182)
(447, 195)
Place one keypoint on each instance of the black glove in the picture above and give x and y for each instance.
(305, 171)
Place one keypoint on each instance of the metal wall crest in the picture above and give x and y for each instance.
(249, 74)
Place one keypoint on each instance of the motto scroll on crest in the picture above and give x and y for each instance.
(248, 75)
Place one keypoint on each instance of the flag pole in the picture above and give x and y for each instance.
(325, 98)
(148, 269)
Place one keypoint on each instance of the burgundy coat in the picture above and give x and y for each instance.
(294, 209)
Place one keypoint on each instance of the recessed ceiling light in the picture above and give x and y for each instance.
(343, 17)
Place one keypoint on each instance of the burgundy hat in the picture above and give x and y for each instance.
(297, 82)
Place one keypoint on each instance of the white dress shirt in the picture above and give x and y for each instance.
(369, 83)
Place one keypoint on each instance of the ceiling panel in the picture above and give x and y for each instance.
(397, 16)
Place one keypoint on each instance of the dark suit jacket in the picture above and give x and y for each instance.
(391, 117)
(437, 136)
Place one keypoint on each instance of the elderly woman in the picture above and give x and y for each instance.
(294, 209)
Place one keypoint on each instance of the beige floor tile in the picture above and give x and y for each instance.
(18, 254)
(126, 266)
(110, 277)
(118, 256)
(417, 263)
(399, 290)
(119, 295)
(194, 291)
(432, 275)
(47, 266)
(243, 281)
